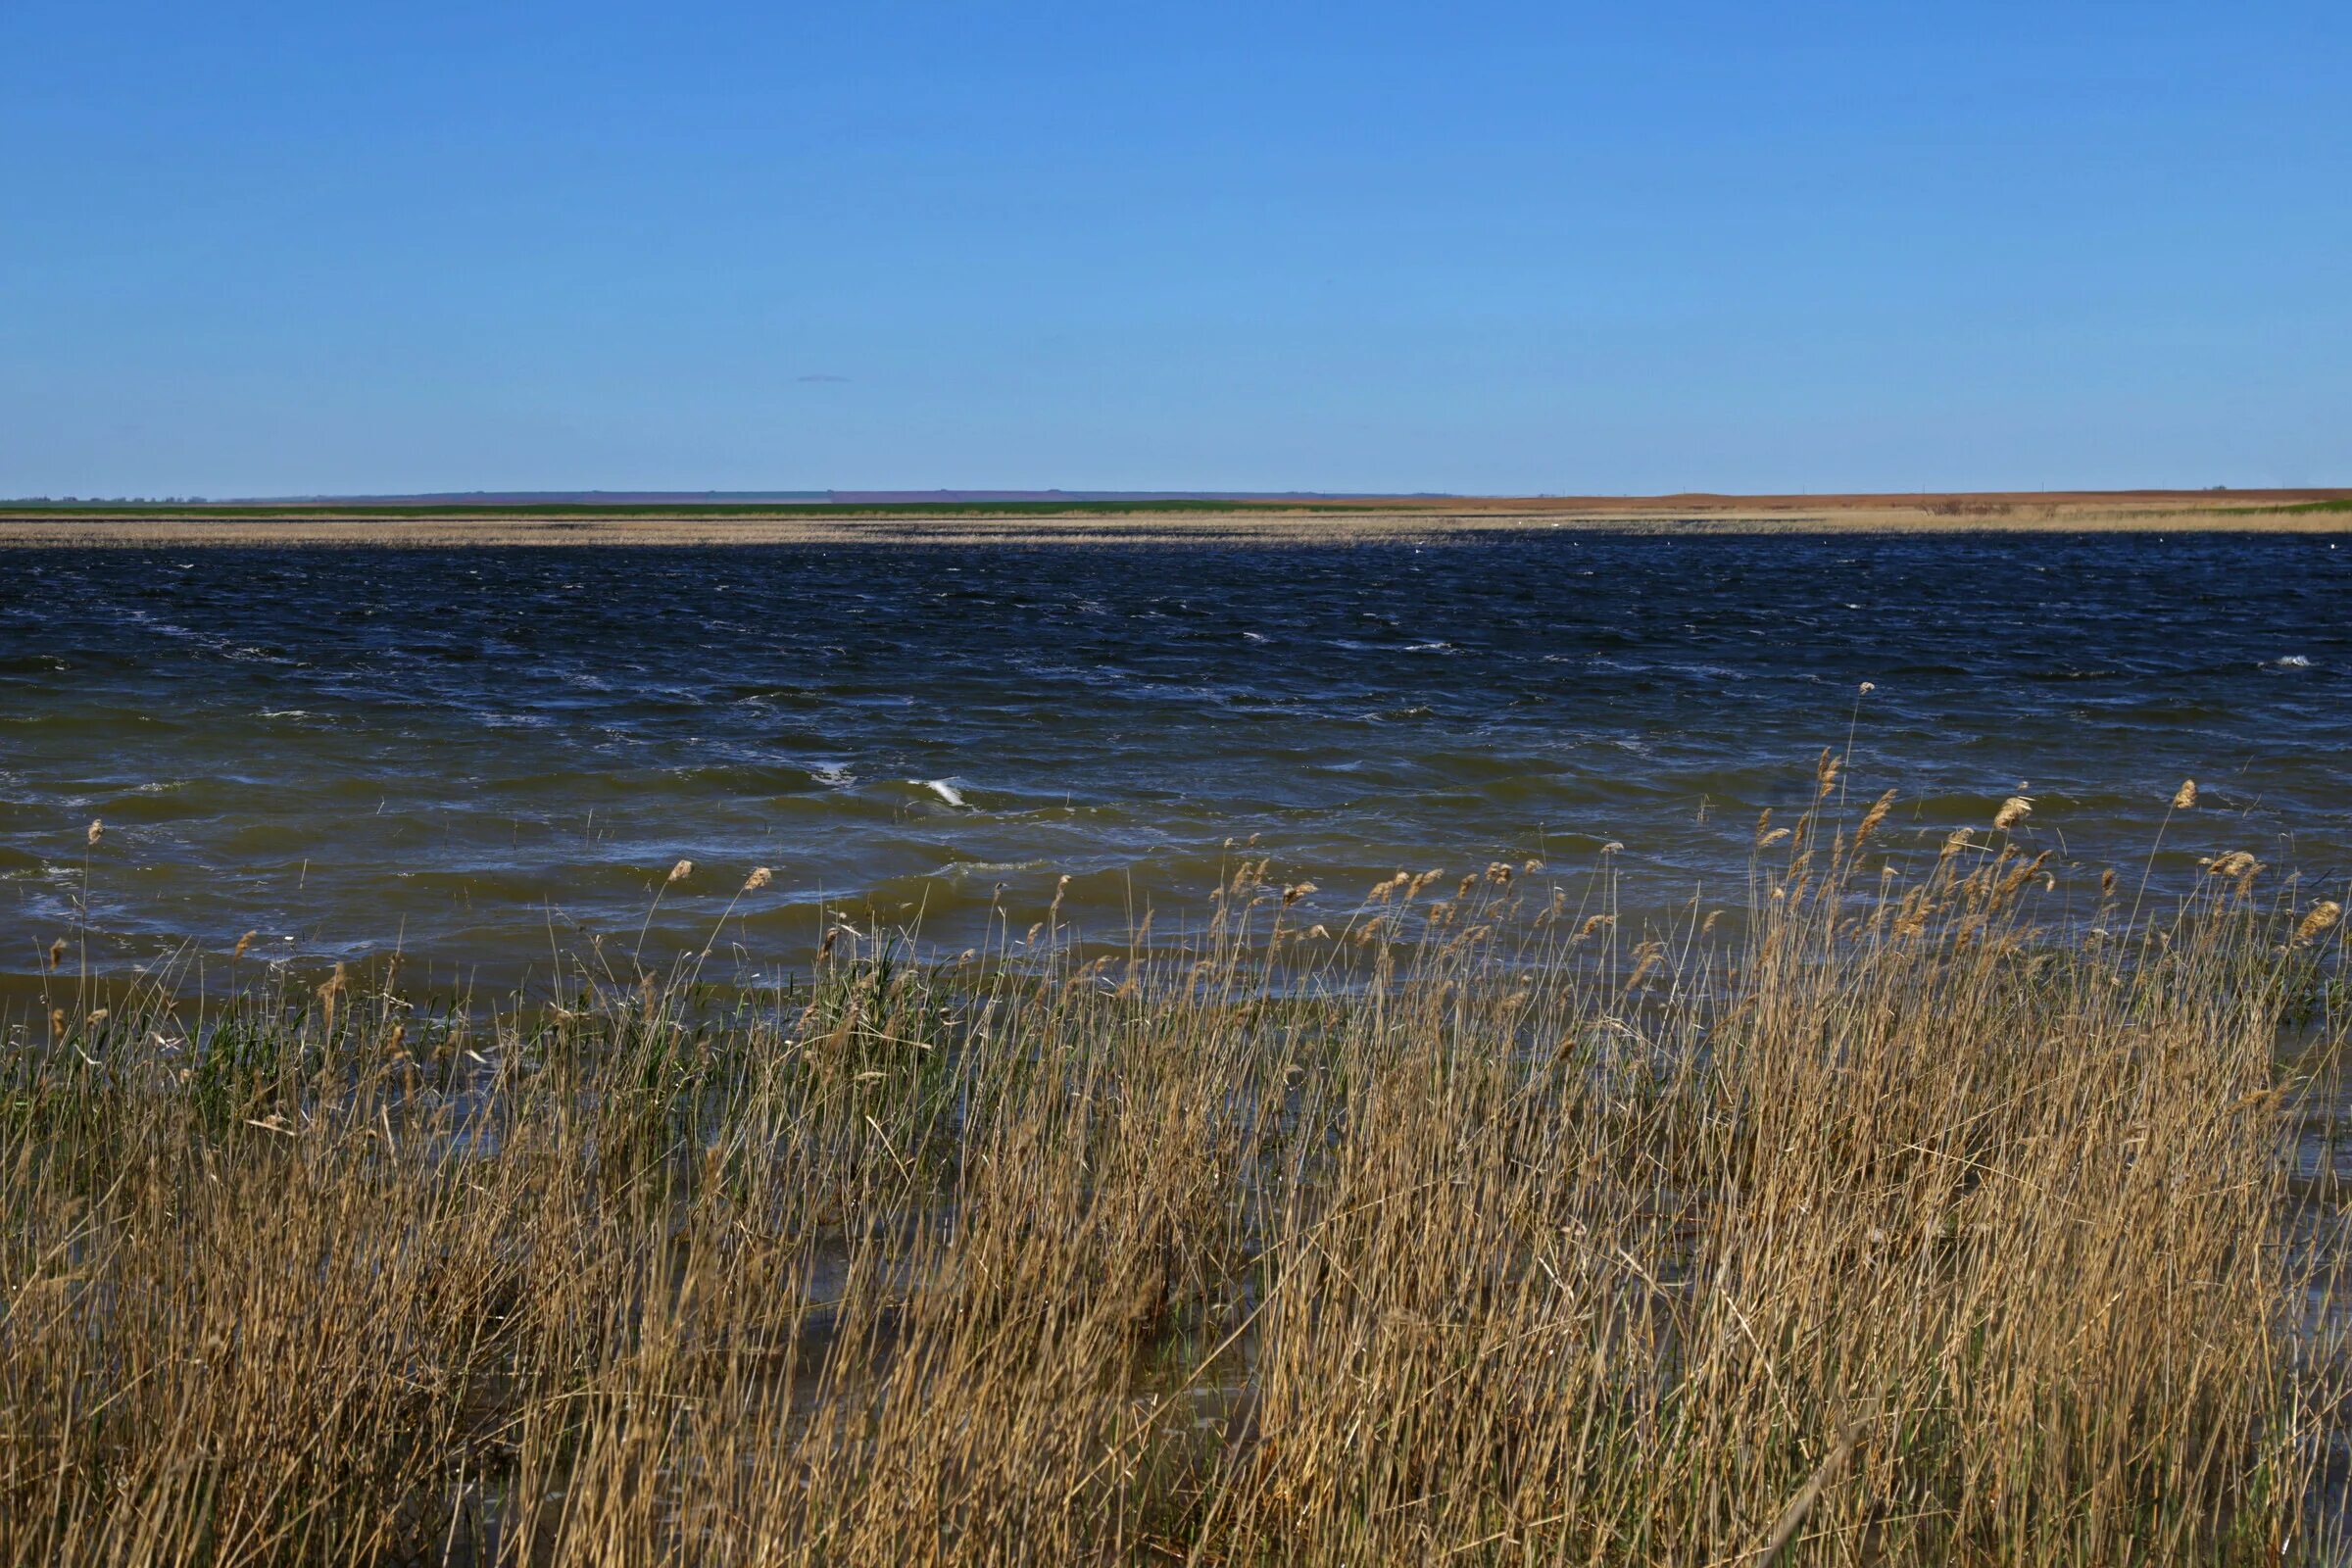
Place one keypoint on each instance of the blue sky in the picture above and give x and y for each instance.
(280, 248)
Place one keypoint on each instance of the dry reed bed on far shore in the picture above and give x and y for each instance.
(1900, 1228)
(1362, 520)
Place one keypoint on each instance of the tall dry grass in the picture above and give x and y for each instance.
(1913, 1223)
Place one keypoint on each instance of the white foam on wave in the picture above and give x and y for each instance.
(964, 871)
(833, 775)
(2294, 662)
(947, 790)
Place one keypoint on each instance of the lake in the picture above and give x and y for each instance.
(484, 755)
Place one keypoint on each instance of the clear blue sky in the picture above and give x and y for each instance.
(276, 248)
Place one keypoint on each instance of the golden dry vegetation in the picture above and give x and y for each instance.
(1892, 1216)
(1365, 520)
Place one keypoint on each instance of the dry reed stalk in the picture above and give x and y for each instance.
(1873, 817)
(1445, 1245)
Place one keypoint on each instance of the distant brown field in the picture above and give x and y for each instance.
(1368, 518)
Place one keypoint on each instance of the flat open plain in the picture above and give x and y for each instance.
(1341, 520)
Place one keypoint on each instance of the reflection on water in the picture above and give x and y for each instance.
(479, 755)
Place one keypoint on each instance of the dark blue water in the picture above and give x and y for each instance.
(482, 754)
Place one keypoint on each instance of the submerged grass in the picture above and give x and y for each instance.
(1900, 1227)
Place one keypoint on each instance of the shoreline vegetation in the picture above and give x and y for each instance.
(1337, 520)
(1902, 1217)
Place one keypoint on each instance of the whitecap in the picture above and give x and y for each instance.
(2294, 662)
(945, 790)
(834, 775)
(964, 870)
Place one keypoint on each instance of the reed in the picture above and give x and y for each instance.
(1885, 1217)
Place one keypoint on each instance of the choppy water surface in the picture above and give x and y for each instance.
(480, 756)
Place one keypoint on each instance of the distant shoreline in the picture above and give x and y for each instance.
(1339, 520)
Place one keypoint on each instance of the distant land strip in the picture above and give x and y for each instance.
(439, 522)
